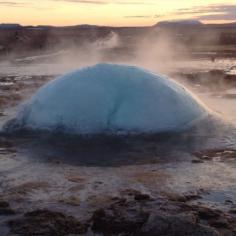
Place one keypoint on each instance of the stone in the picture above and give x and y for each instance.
(46, 223)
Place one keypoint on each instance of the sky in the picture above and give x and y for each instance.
(114, 12)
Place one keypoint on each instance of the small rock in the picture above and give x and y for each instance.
(228, 202)
(219, 223)
(197, 161)
(130, 192)
(233, 211)
(178, 225)
(4, 204)
(5, 209)
(118, 220)
(176, 197)
(142, 197)
(76, 179)
(207, 213)
(46, 223)
(192, 196)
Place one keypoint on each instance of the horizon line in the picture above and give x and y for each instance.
(113, 26)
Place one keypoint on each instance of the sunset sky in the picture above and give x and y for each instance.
(114, 12)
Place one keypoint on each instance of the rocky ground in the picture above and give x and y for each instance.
(121, 211)
(50, 192)
(133, 214)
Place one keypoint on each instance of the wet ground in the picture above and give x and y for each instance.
(161, 185)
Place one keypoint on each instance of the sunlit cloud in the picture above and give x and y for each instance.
(104, 2)
(144, 16)
(114, 12)
(212, 12)
(28, 4)
(134, 3)
(138, 16)
(83, 2)
(13, 4)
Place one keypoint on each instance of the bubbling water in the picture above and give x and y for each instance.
(110, 99)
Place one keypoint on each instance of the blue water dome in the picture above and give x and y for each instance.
(110, 99)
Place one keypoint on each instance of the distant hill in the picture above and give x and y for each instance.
(224, 25)
(163, 24)
(85, 26)
(231, 24)
(45, 27)
(179, 23)
(10, 26)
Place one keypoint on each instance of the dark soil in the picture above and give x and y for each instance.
(47, 223)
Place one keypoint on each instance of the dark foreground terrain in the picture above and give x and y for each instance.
(133, 214)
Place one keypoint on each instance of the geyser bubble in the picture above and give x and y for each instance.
(108, 98)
